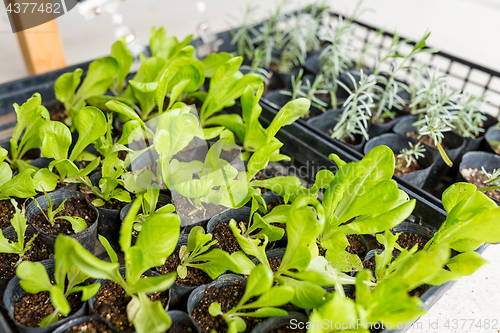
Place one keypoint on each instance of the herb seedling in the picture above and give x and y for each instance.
(255, 66)
(493, 180)
(259, 284)
(78, 224)
(413, 153)
(357, 107)
(308, 91)
(149, 203)
(243, 37)
(18, 221)
(469, 119)
(434, 126)
(34, 279)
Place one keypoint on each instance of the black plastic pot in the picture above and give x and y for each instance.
(77, 321)
(9, 233)
(396, 143)
(413, 228)
(109, 219)
(452, 140)
(378, 129)
(327, 121)
(104, 282)
(87, 237)
(4, 326)
(492, 138)
(273, 323)
(14, 292)
(476, 160)
(240, 214)
(182, 318)
(198, 293)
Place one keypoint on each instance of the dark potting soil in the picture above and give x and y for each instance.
(30, 309)
(225, 238)
(287, 329)
(58, 113)
(111, 204)
(409, 240)
(477, 177)
(38, 252)
(179, 328)
(401, 165)
(184, 207)
(357, 140)
(111, 304)
(6, 213)
(72, 207)
(30, 155)
(425, 139)
(227, 297)
(90, 327)
(370, 264)
(195, 276)
(275, 203)
(275, 263)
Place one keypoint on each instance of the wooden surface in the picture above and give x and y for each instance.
(42, 48)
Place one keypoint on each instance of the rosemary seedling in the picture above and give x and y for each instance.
(413, 153)
(243, 37)
(357, 107)
(307, 90)
(468, 118)
(434, 126)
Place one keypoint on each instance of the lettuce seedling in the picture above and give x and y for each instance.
(214, 262)
(106, 145)
(18, 222)
(99, 78)
(110, 184)
(21, 185)
(259, 284)
(30, 116)
(248, 128)
(78, 224)
(226, 85)
(473, 219)
(149, 203)
(56, 140)
(155, 243)
(386, 305)
(124, 58)
(34, 279)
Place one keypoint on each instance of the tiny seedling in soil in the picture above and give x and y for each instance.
(78, 224)
(407, 159)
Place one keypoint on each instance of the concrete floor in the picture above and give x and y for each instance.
(466, 28)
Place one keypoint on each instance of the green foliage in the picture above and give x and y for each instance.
(18, 222)
(99, 78)
(259, 284)
(155, 243)
(34, 279)
(78, 224)
(30, 116)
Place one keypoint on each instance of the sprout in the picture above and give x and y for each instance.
(413, 153)
(468, 117)
(255, 68)
(493, 178)
(308, 90)
(243, 35)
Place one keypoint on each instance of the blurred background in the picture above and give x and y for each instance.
(465, 28)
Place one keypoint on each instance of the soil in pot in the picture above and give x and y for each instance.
(408, 241)
(58, 112)
(111, 304)
(179, 328)
(30, 309)
(402, 168)
(184, 207)
(228, 297)
(195, 276)
(356, 141)
(74, 206)
(477, 177)
(226, 240)
(38, 252)
(90, 327)
(6, 213)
